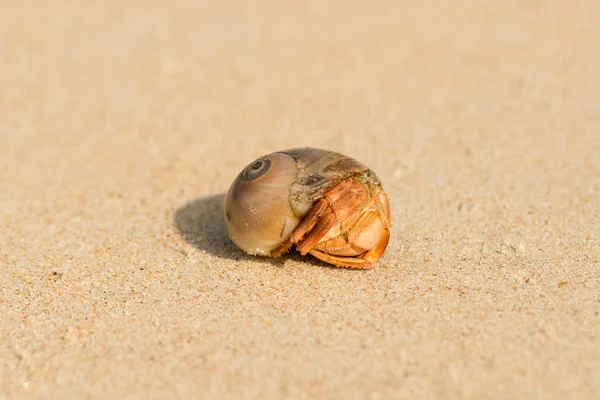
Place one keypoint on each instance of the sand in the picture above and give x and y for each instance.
(122, 125)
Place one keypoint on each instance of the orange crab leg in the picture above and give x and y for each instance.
(375, 253)
(306, 225)
(282, 248)
(341, 261)
(325, 223)
(365, 261)
(310, 220)
(340, 246)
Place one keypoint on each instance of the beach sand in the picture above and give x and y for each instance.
(122, 125)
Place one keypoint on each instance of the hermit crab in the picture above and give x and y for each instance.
(322, 202)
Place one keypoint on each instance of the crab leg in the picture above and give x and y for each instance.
(283, 247)
(365, 261)
(310, 220)
(341, 261)
(375, 253)
(306, 225)
(323, 226)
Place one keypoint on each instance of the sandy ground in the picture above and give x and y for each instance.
(122, 124)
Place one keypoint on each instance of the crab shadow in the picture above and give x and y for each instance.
(201, 224)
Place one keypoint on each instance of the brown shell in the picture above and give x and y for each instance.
(320, 170)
